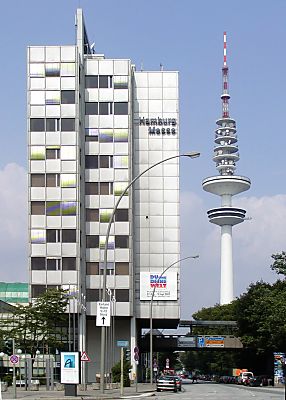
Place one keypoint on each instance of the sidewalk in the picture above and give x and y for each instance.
(144, 390)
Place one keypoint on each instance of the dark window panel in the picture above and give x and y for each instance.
(122, 295)
(38, 263)
(37, 124)
(53, 180)
(69, 235)
(68, 263)
(103, 81)
(105, 161)
(67, 124)
(52, 235)
(68, 97)
(52, 124)
(91, 81)
(38, 208)
(121, 108)
(37, 180)
(91, 162)
(37, 290)
(52, 264)
(103, 109)
(92, 241)
(121, 215)
(104, 188)
(53, 208)
(92, 214)
(92, 294)
(121, 241)
(122, 268)
(91, 108)
(91, 188)
(52, 154)
(92, 268)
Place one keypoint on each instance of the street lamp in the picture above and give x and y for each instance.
(192, 154)
(151, 312)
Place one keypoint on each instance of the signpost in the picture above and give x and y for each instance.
(103, 313)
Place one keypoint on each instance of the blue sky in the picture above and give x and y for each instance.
(187, 36)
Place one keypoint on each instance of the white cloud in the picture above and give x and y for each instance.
(13, 227)
(253, 243)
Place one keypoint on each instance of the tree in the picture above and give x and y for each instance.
(39, 322)
(116, 372)
(279, 264)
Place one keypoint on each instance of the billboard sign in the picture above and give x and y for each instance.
(210, 341)
(70, 372)
(165, 285)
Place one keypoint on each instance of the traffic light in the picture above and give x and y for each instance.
(127, 354)
(8, 347)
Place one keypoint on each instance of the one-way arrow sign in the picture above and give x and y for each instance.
(103, 313)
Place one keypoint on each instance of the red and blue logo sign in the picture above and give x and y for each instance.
(158, 281)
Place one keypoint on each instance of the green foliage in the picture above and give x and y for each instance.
(8, 379)
(116, 372)
(37, 322)
(279, 264)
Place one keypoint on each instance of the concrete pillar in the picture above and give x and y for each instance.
(226, 281)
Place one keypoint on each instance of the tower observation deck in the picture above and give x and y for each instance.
(226, 185)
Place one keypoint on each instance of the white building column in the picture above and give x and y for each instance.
(226, 279)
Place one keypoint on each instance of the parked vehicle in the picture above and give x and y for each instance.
(178, 382)
(244, 378)
(167, 382)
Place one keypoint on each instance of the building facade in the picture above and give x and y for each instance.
(94, 124)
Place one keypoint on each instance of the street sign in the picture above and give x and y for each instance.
(167, 363)
(214, 341)
(201, 341)
(187, 341)
(84, 357)
(14, 359)
(103, 313)
(122, 343)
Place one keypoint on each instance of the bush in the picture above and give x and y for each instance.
(116, 372)
(8, 379)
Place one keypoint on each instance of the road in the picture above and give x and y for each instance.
(214, 391)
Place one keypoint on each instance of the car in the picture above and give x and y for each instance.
(178, 382)
(167, 382)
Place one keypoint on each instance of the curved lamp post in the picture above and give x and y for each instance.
(151, 313)
(192, 154)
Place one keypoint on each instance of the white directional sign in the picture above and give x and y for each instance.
(103, 313)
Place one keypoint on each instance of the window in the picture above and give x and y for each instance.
(121, 135)
(92, 241)
(38, 236)
(109, 268)
(110, 245)
(92, 268)
(68, 180)
(120, 161)
(91, 108)
(91, 81)
(106, 135)
(122, 295)
(106, 188)
(120, 82)
(68, 97)
(91, 188)
(91, 162)
(67, 124)
(69, 235)
(37, 124)
(121, 108)
(68, 263)
(53, 97)
(37, 290)
(105, 214)
(67, 69)
(121, 268)
(103, 81)
(37, 152)
(121, 215)
(53, 235)
(37, 207)
(92, 214)
(53, 208)
(68, 207)
(52, 69)
(37, 180)
(53, 264)
(119, 188)
(38, 263)
(68, 152)
(52, 124)
(92, 294)
(105, 161)
(52, 153)
(121, 242)
(91, 134)
(104, 109)
(37, 70)
(53, 180)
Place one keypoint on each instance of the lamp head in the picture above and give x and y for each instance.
(192, 154)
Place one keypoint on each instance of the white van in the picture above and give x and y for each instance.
(244, 376)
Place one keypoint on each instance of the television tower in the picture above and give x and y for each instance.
(226, 185)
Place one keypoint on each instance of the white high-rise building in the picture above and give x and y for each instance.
(93, 125)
